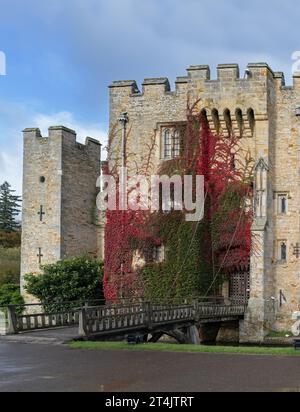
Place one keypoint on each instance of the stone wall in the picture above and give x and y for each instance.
(60, 175)
(68, 192)
(273, 139)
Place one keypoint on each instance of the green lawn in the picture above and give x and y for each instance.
(168, 347)
(274, 334)
(10, 264)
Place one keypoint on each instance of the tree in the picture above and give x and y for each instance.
(70, 280)
(9, 208)
(10, 295)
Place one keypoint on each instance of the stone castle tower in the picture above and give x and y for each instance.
(60, 175)
(262, 111)
(59, 198)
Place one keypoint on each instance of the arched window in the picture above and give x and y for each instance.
(228, 122)
(204, 119)
(167, 144)
(216, 119)
(240, 121)
(251, 120)
(232, 161)
(261, 173)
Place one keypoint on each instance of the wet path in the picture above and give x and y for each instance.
(46, 336)
(58, 368)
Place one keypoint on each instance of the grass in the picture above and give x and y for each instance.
(168, 347)
(10, 264)
(274, 334)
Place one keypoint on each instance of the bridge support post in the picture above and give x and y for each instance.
(260, 315)
(12, 320)
(193, 335)
(82, 329)
(257, 316)
(148, 314)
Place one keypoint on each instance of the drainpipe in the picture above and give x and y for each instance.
(123, 120)
(297, 113)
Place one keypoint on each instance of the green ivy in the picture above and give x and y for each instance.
(184, 273)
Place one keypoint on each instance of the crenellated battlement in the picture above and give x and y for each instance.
(61, 133)
(227, 74)
(160, 83)
(233, 101)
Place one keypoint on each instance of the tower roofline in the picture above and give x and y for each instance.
(62, 128)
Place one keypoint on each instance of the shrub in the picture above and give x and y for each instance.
(70, 280)
(10, 295)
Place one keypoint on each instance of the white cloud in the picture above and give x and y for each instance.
(83, 129)
(14, 118)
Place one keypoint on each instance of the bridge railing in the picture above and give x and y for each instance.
(113, 317)
(27, 317)
(96, 320)
(163, 314)
(218, 311)
(103, 320)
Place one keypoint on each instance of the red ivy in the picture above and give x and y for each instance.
(214, 157)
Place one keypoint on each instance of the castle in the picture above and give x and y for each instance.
(60, 175)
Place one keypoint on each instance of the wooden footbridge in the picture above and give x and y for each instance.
(120, 320)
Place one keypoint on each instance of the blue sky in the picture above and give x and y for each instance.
(62, 55)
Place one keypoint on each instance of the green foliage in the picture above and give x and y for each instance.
(184, 273)
(10, 239)
(274, 334)
(9, 208)
(10, 278)
(10, 295)
(9, 265)
(70, 280)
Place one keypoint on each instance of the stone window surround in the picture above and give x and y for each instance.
(162, 128)
(159, 254)
(279, 244)
(278, 195)
(171, 142)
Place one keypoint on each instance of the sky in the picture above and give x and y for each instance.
(61, 55)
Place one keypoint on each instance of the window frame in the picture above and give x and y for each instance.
(280, 258)
(279, 197)
(176, 140)
(159, 254)
(167, 146)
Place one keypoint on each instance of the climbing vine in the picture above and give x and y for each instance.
(198, 255)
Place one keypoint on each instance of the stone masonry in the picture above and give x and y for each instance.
(262, 110)
(59, 198)
(258, 106)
